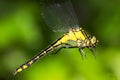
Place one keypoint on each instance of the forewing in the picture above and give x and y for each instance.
(59, 16)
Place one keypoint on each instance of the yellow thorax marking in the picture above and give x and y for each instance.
(64, 39)
(79, 35)
(72, 36)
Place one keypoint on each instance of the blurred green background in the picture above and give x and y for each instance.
(23, 33)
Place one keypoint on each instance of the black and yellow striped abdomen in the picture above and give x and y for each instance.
(34, 59)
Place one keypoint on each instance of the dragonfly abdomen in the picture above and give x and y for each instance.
(34, 59)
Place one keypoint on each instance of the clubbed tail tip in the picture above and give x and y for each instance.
(17, 71)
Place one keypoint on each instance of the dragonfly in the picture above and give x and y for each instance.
(60, 16)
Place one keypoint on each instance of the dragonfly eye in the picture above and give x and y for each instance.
(94, 41)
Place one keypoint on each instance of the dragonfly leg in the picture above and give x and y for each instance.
(82, 53)
(58, 50)
(93, 51)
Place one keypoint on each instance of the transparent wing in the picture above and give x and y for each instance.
(60, 16)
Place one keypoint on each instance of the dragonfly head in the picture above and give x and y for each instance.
(93, 41)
